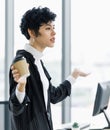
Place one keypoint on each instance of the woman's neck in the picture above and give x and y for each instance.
(36, 46)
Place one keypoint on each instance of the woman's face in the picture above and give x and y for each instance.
(46, 36)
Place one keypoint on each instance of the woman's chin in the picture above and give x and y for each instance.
(52, 45)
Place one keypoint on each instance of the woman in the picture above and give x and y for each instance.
(30, 97)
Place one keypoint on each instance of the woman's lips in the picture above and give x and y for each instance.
(52, 39)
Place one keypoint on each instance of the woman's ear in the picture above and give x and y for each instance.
(31, 33)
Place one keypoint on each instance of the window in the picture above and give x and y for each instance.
(52, 58)
(2, 49)
(2, 65)
(90, 24)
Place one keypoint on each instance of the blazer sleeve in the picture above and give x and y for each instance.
(15, 107)
(59, 93)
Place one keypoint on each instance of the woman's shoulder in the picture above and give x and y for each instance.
(25, 54)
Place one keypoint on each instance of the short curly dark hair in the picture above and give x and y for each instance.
(34, 18)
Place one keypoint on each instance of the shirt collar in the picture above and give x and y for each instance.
(36, 54)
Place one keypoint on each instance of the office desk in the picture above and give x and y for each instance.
(83, 126)
(84, 129)
(68, 126)
(96, 123)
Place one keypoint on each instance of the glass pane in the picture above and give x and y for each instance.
(90, 52)
(2, 117)
(2, 49)
(52, 58)
(4, 112)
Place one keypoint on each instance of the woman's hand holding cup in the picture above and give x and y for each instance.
(20, 71)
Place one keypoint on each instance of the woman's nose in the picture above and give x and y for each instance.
(53, 32)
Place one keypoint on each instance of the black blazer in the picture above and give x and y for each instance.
(32, 113)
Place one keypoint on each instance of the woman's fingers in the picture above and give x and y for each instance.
(15, 73)
(76, 73)
(83, 74)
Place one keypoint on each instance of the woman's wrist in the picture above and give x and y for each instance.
(21, 87)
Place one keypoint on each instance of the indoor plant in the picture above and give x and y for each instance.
(75, 126)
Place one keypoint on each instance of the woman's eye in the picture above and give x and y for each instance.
(48, 28)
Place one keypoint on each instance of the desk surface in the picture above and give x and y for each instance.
(83, 126)
(68, 126)
(96, 123)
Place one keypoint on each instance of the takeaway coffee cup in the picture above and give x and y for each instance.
(21, 65)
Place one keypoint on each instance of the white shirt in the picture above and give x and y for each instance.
(37, 55)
